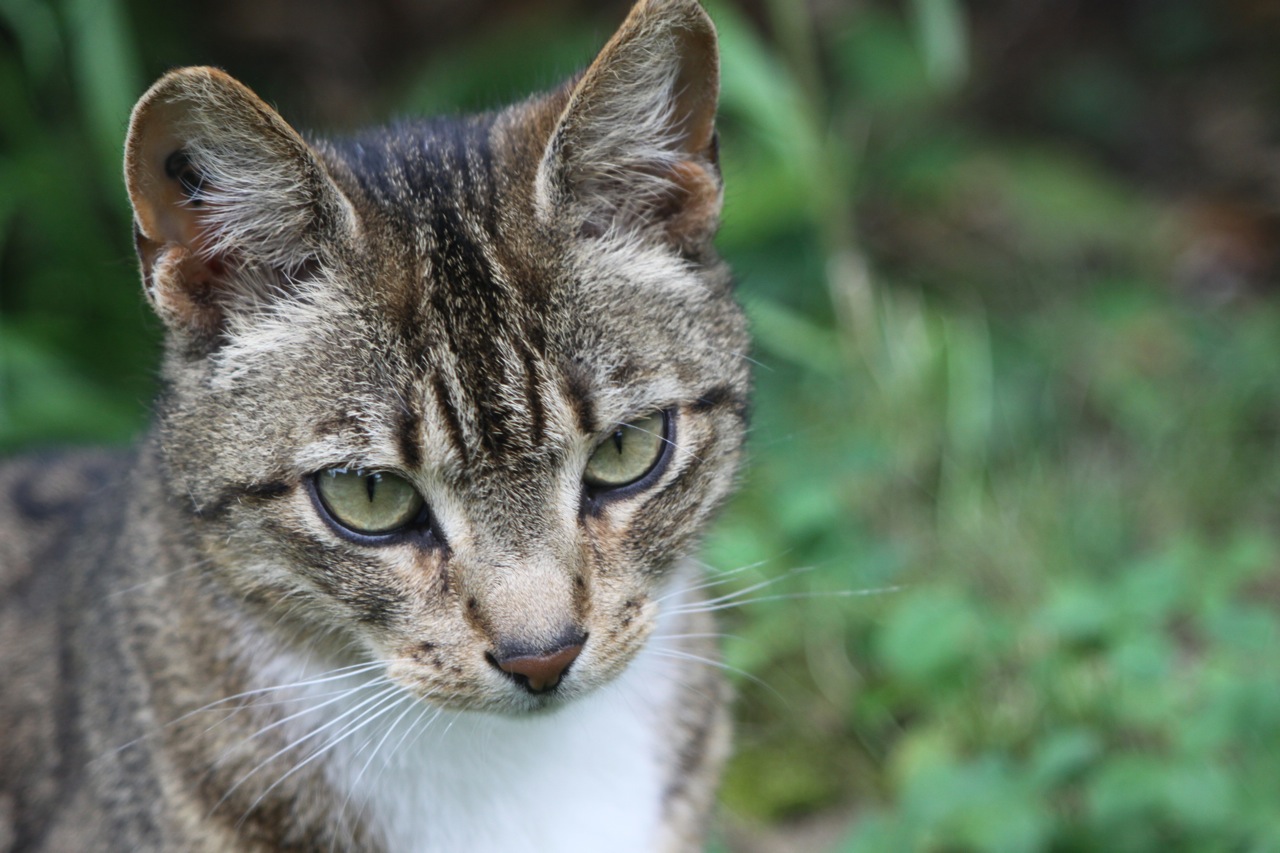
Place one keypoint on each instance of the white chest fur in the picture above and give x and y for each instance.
(583, 779)
(586, 777)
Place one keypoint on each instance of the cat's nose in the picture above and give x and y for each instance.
(538, 671)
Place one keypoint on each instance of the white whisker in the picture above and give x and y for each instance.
(410, 703)
(740, 355)
(689, 656)
(387, 691)
(665, 440)
(330, 675)
(713, 603)
(705, 636)
(190, 567)
(405, 736)
(385, 702)
(707, 583)
(709, 607)
(325, 677)
(338, 697)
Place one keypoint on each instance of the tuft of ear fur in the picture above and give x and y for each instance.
(230, 204)
(635, 148)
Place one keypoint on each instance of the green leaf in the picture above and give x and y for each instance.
(928, 635)
(943, 37)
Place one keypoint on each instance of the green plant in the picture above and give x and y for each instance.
(75, 353)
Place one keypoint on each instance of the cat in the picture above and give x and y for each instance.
(403, 563)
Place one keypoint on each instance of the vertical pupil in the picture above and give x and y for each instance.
(371, 485)
(617, 440)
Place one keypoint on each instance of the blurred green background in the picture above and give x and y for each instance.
(1002, 575)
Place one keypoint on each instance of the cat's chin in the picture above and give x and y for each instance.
(515, 703)
(535, 706)
(497, 700)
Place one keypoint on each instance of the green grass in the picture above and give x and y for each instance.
(1014, 498)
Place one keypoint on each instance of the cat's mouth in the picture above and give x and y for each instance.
(540, 704)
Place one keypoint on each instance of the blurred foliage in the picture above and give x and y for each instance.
(1002, 575)
(1036, 499)
(75, 353)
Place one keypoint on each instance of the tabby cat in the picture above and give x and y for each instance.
(403, 562)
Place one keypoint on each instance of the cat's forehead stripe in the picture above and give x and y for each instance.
(481, 313)
(409, 434)
(449, 414)
(435, 182)
(578, 388)
(533, 393)
(474, 301)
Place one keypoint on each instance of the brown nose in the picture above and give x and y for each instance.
(541, 672)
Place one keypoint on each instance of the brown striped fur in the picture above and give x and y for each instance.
(472, 303)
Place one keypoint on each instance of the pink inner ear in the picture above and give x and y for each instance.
(174, 236)
(182, 287)
(226, 197)
(179, 220)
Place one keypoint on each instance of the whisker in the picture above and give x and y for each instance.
(719, 572)
(412, 726)
(707, 583)
(448, 727)
(747, 590)
(291, 700)
(709, 607)
(385, 703)
(387, 691)
(742, 355)
(338, 697)
(706, 636)
(679, 677)
(410, 704)
(325, 677)
(411, 730)
(665, 440)
(190, 567)
(689, 656)
(330, 675)
(421, 702)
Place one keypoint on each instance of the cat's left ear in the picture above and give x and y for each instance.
(635, 148)
(230, 204)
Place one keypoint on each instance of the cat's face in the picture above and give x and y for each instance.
(459, 394)
(489, 399)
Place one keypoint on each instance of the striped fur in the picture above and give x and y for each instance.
(194, 659)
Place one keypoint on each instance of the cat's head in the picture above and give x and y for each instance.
(464, 392)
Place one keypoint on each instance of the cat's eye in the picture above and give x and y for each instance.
(629, 453)
(369, 503)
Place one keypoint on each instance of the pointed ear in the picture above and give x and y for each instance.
(230, 204)
(635, 147)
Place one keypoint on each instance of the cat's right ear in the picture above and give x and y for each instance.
(230, 204)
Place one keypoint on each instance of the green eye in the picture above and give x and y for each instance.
(631, 452)
(368, 502)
